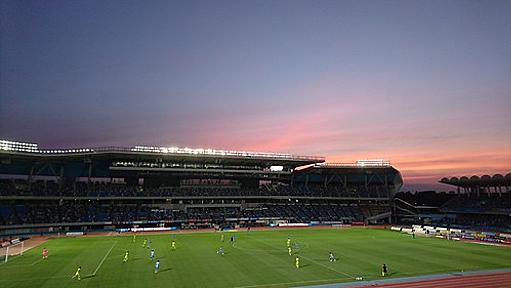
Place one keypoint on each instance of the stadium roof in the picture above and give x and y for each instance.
(359, 164)
(475, 181)
(32, 149)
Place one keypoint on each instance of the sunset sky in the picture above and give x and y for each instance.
(424, 84)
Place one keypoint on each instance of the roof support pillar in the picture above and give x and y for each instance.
(89, 175)
(30, 177)
(61, 178)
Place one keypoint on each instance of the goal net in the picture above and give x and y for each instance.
(11, 250)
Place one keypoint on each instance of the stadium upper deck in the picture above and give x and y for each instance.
(164, 171)
(28, 159)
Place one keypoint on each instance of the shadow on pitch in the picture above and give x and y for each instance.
(164, 270)
(88, 276)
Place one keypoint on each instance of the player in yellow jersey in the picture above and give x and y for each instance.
(297, 262)
(125, 257)
(173, 245)
(288, 242)
(77, 274)
(289, 251)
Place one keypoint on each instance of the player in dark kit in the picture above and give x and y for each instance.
(384, 270)
(331, 257)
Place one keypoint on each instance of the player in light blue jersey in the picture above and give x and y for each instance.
(152, 255)
(157, 266)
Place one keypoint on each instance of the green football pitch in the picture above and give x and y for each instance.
(258, 259)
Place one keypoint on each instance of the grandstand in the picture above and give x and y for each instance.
(111, 188)
(482, 203)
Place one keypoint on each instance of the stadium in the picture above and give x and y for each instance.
(218, 218)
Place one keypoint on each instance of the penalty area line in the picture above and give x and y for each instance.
(104, 258)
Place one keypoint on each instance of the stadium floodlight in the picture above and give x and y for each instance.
(65, 151)
(15, 146)
(373, 162)
(6, 145)
(359, 163)
(213, 152)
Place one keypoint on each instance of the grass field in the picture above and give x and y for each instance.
(259, 259)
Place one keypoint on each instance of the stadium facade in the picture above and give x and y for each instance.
(108, 188)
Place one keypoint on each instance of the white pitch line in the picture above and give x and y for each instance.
(104, 258)
(318, 263)
(327, 267)
(35, 262)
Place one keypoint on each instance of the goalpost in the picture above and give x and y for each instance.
(11, 250)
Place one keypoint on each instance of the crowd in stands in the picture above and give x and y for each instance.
(308, 213)
(484, 203)
(81, 212)
(469, 211)
(94, 211)
(83, 189)
(484, 222)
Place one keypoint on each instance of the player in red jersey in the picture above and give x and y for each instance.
(45, 254)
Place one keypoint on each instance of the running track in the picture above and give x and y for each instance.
(496, 280)
(461, 280)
